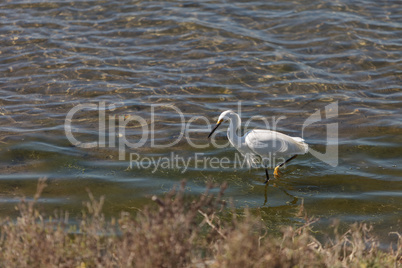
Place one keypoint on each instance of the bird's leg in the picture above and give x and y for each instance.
(266, 173)
(276, 170)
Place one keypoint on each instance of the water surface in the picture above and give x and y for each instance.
(282, 58)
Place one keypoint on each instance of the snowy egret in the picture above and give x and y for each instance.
(261, 142)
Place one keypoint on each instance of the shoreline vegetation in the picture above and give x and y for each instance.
(180, 231)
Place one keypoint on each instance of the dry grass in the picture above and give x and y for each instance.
(179, 232)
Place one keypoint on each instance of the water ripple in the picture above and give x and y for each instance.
(279, 58)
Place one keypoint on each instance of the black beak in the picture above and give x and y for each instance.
(212, 132)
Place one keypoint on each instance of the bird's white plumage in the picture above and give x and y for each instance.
(261, 142)
(264, 142)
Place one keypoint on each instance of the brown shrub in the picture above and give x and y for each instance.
(180, 232)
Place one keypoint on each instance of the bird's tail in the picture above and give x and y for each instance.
(302, 144)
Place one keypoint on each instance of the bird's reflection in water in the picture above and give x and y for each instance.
(294, 201)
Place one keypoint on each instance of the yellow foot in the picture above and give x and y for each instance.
(277, 172)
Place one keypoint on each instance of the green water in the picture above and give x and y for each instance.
(275, 60)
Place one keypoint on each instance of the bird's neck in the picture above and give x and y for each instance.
(233, 130)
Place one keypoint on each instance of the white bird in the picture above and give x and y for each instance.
(261, 142)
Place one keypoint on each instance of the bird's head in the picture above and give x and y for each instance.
(223, 117)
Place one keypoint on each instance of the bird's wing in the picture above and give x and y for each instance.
(264, 142)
